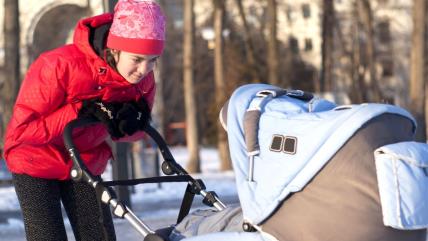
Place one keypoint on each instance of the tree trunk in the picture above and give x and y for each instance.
(12, 64)
(189, 93)
(358, 91)
(220, 89)
(272, 44)
(326, 84)
(108, 5)
(417, 75)
(159, 104)
(249, 46)
(366, 18)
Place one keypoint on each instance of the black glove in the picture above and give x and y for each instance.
(104, 112)
(133, 116)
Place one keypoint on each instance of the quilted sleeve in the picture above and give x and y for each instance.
(41, 112)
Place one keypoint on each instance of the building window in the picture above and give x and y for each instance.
(387, 68)
(384, 33)
(289, 13)
(306, 10)
(308, 44)
(294, 45)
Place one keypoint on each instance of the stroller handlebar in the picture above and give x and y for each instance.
(79, 169)
(80, 172)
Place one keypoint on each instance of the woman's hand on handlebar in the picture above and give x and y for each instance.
(120, 118)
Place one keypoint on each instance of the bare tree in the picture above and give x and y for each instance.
(328, 24)
(365, 86)
(272, 43)
(11, 71)
(249, 46)
(366, 19)
(358, 92)
(189, 95)
(220, 89)
(418, 88)
(158, 108)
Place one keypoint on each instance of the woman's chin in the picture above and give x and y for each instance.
(134, 80)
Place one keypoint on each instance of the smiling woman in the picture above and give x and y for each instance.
(105, 74)
(134, 67)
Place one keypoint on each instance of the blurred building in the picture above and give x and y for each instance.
(300, 28)
(393, 26)
(46, 24)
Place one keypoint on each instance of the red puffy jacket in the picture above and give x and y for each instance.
(50, 97)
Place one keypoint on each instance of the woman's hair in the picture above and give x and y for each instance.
(109, 58)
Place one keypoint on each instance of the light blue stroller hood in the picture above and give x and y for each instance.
(296, 139)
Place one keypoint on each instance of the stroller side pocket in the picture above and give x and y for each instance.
(402, 173)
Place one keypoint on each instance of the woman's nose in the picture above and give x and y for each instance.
(145, 67)
(142, 67)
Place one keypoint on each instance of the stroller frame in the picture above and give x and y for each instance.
(80, 173)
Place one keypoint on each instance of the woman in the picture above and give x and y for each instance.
(106, 73)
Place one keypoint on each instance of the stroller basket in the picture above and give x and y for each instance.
(107, 195)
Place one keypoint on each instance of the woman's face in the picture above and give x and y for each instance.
(134, 67)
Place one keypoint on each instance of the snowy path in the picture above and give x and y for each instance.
(157, 207)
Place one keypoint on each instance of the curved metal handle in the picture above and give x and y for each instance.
(79, 169)
(173, 167)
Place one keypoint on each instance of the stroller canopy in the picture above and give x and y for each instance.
(294, 138)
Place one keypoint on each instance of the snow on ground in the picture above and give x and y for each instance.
(150, 202)
(220, 182)
(8, 199)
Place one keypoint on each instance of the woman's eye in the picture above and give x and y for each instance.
(153, 60)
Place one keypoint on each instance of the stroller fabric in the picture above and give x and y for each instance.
(342, 201)
(305, 168)
(205, 221)
(402, 172)
(320, 130)
(233, 236)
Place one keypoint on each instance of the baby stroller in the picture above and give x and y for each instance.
(307, 169)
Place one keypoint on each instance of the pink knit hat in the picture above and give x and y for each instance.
(138, 27)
